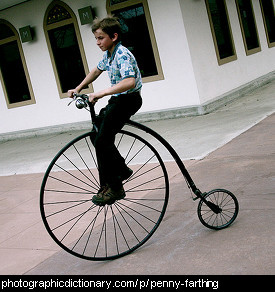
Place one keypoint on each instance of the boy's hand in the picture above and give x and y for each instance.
(94, 97)
(71, 92)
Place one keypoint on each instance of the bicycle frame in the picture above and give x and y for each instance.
(174, 154)
(171, 150)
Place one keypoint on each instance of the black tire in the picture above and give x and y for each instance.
(102, 233)
(220, 210)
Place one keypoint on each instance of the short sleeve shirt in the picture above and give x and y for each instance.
(121, 65)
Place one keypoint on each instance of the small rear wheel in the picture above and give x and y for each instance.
(218, 209)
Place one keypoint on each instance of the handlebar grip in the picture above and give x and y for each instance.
(85, 97)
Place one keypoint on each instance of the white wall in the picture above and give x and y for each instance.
(179, 87)
(176, 90)
(214, 80)
(192, 75)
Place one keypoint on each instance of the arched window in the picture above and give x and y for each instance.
(65, 47)
(13, 70)
(138, 35)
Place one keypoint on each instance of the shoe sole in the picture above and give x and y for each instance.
(110, 202)
(117, 199)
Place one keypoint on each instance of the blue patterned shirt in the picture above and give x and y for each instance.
(120, 65)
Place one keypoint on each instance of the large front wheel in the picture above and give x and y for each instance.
(111, 231)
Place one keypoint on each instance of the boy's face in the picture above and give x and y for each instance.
(104, 41)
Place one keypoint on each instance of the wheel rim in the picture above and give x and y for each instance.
(100, 233)
(227, 209)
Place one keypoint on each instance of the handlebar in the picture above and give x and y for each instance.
(82, 101)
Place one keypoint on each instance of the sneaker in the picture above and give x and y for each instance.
(108, 196)
(126, 174)
(100, 193)
(102, 190)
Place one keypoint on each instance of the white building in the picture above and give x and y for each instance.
(195, 55)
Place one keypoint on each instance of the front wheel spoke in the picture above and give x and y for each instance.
(68, 208)
(145, 183)
(119, 208)
(69, 184)
(77, 178)
(71, 219)
(87, 167)
(137, 212)
(143, 205)
(101, 232)
(135, 176)
(80, 216)
(92, 223)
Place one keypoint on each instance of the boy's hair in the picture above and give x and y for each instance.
(109, 25)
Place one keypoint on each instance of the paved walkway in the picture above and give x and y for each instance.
(232, 148)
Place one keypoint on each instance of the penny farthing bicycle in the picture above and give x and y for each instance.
(108, 232)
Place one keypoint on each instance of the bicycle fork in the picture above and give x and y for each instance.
(199, 195)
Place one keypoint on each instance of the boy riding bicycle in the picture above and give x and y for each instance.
(125, 101)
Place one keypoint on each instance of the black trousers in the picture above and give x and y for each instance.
(109, 122)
